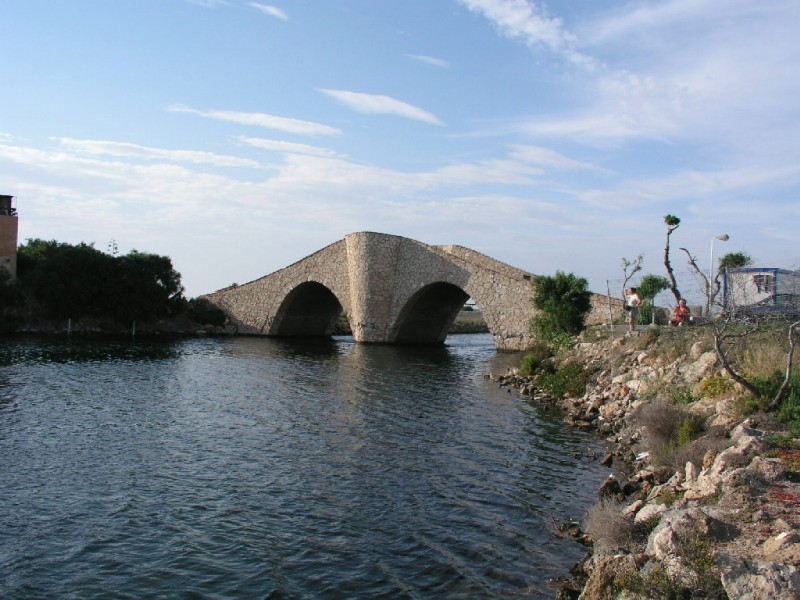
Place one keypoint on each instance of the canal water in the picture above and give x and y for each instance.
(265, 468)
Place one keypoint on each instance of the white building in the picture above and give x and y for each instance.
(760, 285)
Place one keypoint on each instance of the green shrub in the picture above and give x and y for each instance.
(536, 359)
(565, 299)
(689, 427)
(701, 580)
(789, 410)
(747, 405)
(716, 386)
(768, 385)
(546, 329)
(683, 396)
(569, 379)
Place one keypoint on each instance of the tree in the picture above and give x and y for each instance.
(65, 280)
(635, 266)
(649, 287)
(730, 337)
(735, 260)
(729, 261)
(74, 281)
(564, 301)
(672, 222)
(147, 287)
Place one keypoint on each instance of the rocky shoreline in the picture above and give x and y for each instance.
(718, 517)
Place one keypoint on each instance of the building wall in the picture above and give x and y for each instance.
(747, 286)
(8, 243)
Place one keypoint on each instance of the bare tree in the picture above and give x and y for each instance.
(672, 222)
(635, 266)
(736, 328)
(713, 287)
(794, 329)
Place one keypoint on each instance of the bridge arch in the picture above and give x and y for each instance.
(385, 284)
(429, 313)
(310, 309)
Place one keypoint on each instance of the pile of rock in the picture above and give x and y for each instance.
(726, 526)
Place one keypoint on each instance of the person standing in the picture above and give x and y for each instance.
(632, 303)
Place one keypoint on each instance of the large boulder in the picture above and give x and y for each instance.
(600, 585)
(680, 527)
(753, 580)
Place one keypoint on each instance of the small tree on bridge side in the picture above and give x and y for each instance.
(564, 301)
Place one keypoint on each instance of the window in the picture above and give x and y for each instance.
(763, 282)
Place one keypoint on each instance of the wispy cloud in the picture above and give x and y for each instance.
(381, 105)
(549, 158)
(259, 120)
(127, 150)
(286, 147)
(524, 20)
(272, 11)
(430, 60)
(209, 3)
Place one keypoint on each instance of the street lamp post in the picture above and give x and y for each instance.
(722, 238)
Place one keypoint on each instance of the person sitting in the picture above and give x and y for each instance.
(681, 314)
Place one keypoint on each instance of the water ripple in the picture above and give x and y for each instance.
(276, 469)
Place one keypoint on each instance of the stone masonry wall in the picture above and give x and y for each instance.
(377, 278)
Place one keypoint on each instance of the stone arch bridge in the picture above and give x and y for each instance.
(392, 289)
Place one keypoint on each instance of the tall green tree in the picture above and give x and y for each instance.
(146, 287)
(564, 301)
(648, 288)
(63, 280)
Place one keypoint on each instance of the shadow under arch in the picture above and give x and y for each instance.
(309, 310)
(428, 315)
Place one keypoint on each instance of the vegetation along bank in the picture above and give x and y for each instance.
(703, 494)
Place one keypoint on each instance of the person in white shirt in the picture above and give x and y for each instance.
(632, 303)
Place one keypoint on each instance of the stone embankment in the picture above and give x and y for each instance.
(718, 517)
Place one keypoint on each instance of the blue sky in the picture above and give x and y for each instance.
(238, 137)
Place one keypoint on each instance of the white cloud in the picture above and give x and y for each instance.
(127, 150)
(286, 147)
(259, 120)
(430, 60)
(696, 184)
(644, 19)
(523, 19)
(272, 11)
(383, 105)
(209, 3)
(705, 72)
(549, 158)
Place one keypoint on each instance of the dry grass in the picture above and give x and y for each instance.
(695, 451)
(761, 359)
(667, 428)
(660, 422)
(608, 527)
